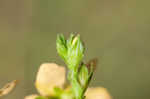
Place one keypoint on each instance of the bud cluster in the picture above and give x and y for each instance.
(72, 52)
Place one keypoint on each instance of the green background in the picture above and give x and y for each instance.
(117, 32)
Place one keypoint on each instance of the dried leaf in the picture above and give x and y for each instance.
(92, 64)
(8, 88)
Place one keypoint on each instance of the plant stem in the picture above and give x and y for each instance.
(76, 88)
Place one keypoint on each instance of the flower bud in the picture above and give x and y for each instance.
(34, 96)
(49, 76)
(97, 93)
(75, 51)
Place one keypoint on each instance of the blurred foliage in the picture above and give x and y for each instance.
(116, 32)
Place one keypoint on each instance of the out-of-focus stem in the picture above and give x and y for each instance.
(76, 88)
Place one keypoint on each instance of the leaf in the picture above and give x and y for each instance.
(8, 88)
(91, 65)
(61, 46)
(58, 91)
(41, 97)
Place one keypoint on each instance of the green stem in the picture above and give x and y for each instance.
(77, 90)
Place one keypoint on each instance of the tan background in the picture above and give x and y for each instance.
(115, 31)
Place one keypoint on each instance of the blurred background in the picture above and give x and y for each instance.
(117, 32)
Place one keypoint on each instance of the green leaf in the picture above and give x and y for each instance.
(41, 97)
(58, 91)
(67, 95)
(61, 46)
(50, 97)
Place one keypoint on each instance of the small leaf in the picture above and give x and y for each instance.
(91, 65)
(61, 46)
(41, 97)
(58, 91)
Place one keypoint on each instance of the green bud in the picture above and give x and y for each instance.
(83, 75)
(75, 51)
(72, 50)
